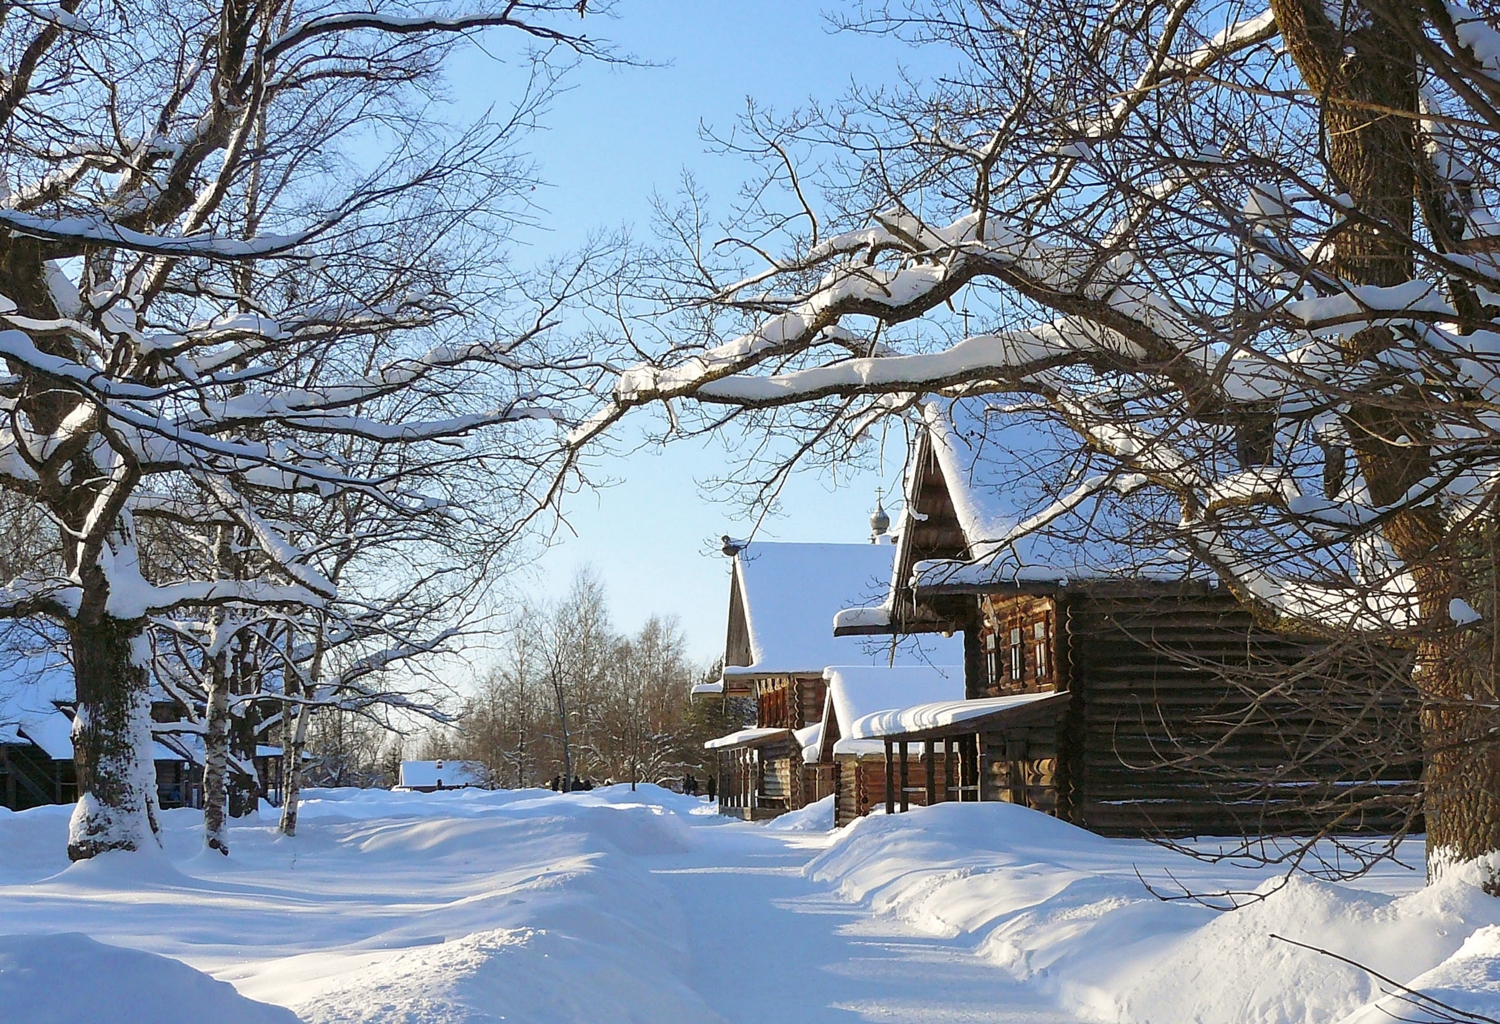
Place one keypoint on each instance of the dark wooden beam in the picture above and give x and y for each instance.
(890, 780)
(905, 780)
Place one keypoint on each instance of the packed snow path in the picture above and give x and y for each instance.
(771, 945)
(472, 908)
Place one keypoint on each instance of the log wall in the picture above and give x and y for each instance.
(1190, 720)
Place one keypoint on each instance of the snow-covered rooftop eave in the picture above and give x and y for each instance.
(944, 576)
(937, 718)
(708, 689)
(950, 576)
(746, 738)
(810, 739)
(863, 622)
(767, 670)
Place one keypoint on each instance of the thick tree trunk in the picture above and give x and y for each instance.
(117, 804)
(1365, 72)
(216, 759)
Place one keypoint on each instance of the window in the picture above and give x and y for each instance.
(1043, 649)
(992, 656)
(1017, 656)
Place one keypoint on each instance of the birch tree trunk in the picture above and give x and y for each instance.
(216, 755)
(294, 737)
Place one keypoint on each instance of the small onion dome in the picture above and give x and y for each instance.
(879, 521)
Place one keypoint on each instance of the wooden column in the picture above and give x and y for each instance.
(929, 752)
(749, 778)
(890, 780)
(979, 769)
(10, 779)
(904, 777)
(948, 759)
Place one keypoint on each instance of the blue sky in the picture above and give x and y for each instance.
(618, 134)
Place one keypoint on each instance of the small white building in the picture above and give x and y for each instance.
(429, 776)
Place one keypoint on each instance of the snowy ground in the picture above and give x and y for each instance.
(611, 906)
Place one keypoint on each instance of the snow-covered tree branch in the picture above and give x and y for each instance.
(247, 272)
(1243, 255)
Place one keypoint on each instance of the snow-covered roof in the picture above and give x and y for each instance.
(702, 689)
(744, 738)
(32, 685)
(858, 691)
(52, 732)
(448, 774)
(876, 617)
(789, 594)
(1020, 514)
(939, 714)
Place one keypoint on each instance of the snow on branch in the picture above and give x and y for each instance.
(85, 230)
(1107, 322)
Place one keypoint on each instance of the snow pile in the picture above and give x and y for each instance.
(1468, 981)
(72, 979)
(1063, 911)
(1236, 962)
(815, 817)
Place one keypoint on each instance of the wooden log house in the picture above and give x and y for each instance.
(36, 742)
(1127, 703)
(779, 640)
(864, 774)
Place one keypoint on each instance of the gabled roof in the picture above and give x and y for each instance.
(858, 691)
(995, 500)
(783, 598)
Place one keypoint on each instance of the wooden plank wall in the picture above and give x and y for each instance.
(1161, 743)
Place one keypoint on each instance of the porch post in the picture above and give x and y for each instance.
(890, 780)
(929, 752)
(948, 768)
(979, 772)
(904, 778)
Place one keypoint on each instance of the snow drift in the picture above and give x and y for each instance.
(72, 979)
(1064, 910)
